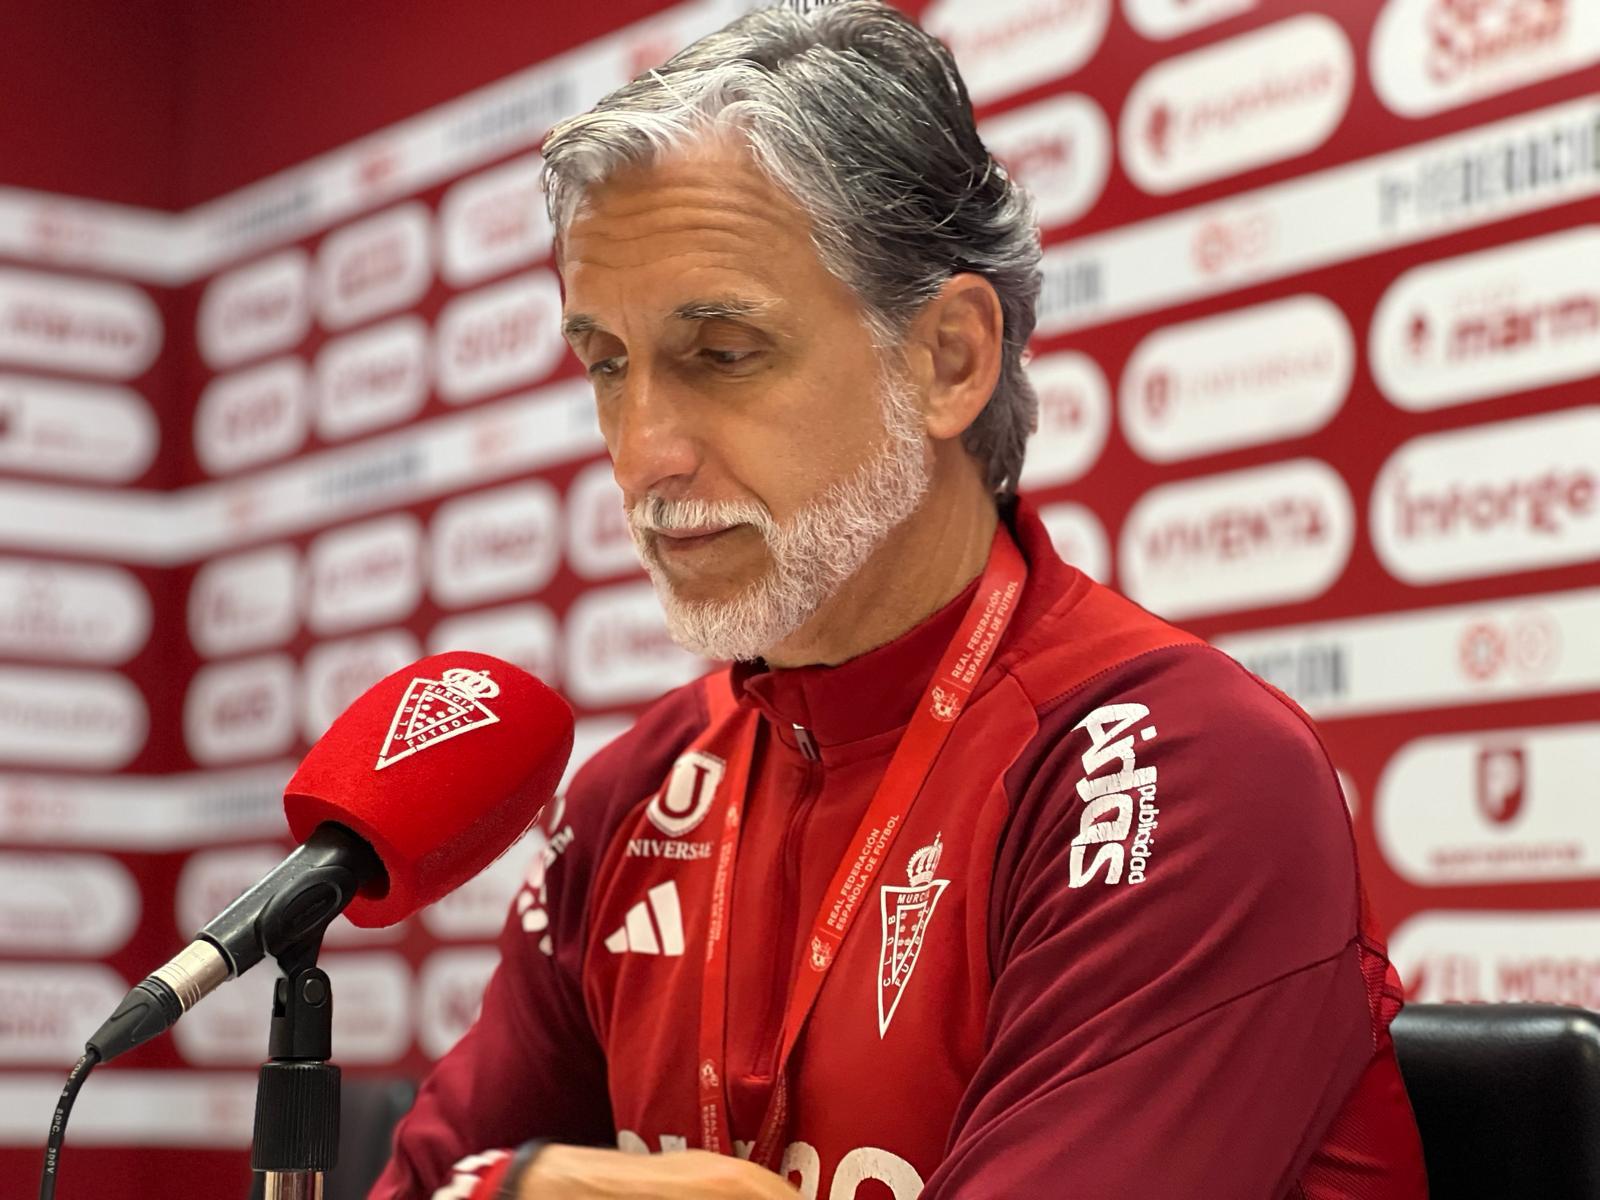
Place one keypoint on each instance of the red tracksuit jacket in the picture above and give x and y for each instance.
(1133, 961)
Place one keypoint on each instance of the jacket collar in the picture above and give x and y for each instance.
(875, 693)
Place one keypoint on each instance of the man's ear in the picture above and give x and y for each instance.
(960, 335)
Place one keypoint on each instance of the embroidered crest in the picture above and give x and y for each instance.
(946, 705)
(685, 798)
(821, 954)
(435, 710)
(906, 913)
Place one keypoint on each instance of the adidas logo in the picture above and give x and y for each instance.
(640, 935)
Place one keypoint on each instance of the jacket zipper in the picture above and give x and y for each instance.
(807, 744)
(799, 815)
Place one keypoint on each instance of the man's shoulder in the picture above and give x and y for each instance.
(1172, 787)
(1087, 647)
(1189, 703)
(1233, 771)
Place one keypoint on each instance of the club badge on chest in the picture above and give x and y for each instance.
(907, 912)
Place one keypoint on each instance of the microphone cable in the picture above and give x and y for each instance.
(58, 1124)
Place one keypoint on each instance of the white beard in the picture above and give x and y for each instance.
(813, 554)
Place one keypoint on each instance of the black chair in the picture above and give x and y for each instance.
(1507, 1098)
(369, 1109)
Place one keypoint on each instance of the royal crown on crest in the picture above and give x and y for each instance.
(924, 864)
(476, 684)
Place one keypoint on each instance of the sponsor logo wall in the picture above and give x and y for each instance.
(1317, 363)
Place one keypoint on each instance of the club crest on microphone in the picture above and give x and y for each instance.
(435, 710)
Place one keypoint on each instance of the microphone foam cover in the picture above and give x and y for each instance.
(440, 767)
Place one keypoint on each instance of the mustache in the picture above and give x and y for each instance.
(657, 514)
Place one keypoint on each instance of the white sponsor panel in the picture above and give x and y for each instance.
(240, 710)
(1162, 19)
(130, 525)
(502, 336)
(525, 635)
(213, 879)
(450, 992)
(1074, 419)
(336, 673)
(494, 222)
(1546, 957)
(109, 239)
(590, 735)
(598, 542)
(230, 1029)
(377, 265)
(373, 1008)
(495, 544)
(252, 416)
(371, 1013)
(1517, 317)
(1262, 97)
(618, 649)
(510, 437)
(82, 326)
(87, 720)
(1244, 539)
(245, 601)
(75, 430)
(182, 1109)
(80, 904)
(1058, 149)
(70, 612)
(372, 379)
(364, 574)
(1492, 499)
(1466, 180)
(48, 1010)
(1495, 806)
(478, 908)
(1432, 55)
(1243, 378)
(1005, 46)
(1538, 645)
(256, 309)
(151, 813)
(1079, 537)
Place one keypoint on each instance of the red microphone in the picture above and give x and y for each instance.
(439, 768)
(425, 780)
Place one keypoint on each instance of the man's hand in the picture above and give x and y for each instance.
(579, 1173)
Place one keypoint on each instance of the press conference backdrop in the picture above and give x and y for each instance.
(1317, 361)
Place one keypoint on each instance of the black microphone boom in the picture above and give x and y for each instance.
(284, 914)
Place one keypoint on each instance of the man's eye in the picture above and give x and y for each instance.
(606, 367)
(728, 358)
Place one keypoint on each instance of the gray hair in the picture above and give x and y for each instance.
(862, 118)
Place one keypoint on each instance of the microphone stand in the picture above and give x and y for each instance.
(296, 1136)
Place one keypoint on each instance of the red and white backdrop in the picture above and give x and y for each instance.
(1317, 357)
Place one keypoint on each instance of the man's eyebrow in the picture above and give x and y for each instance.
(580, 323)
(728, 309)
(732, 309)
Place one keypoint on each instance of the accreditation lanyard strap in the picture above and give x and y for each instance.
(959, 671)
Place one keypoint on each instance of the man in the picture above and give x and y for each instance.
(970, 879)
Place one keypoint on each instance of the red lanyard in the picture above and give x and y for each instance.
(959, 670)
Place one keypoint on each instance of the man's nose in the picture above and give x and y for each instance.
(650, 440)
